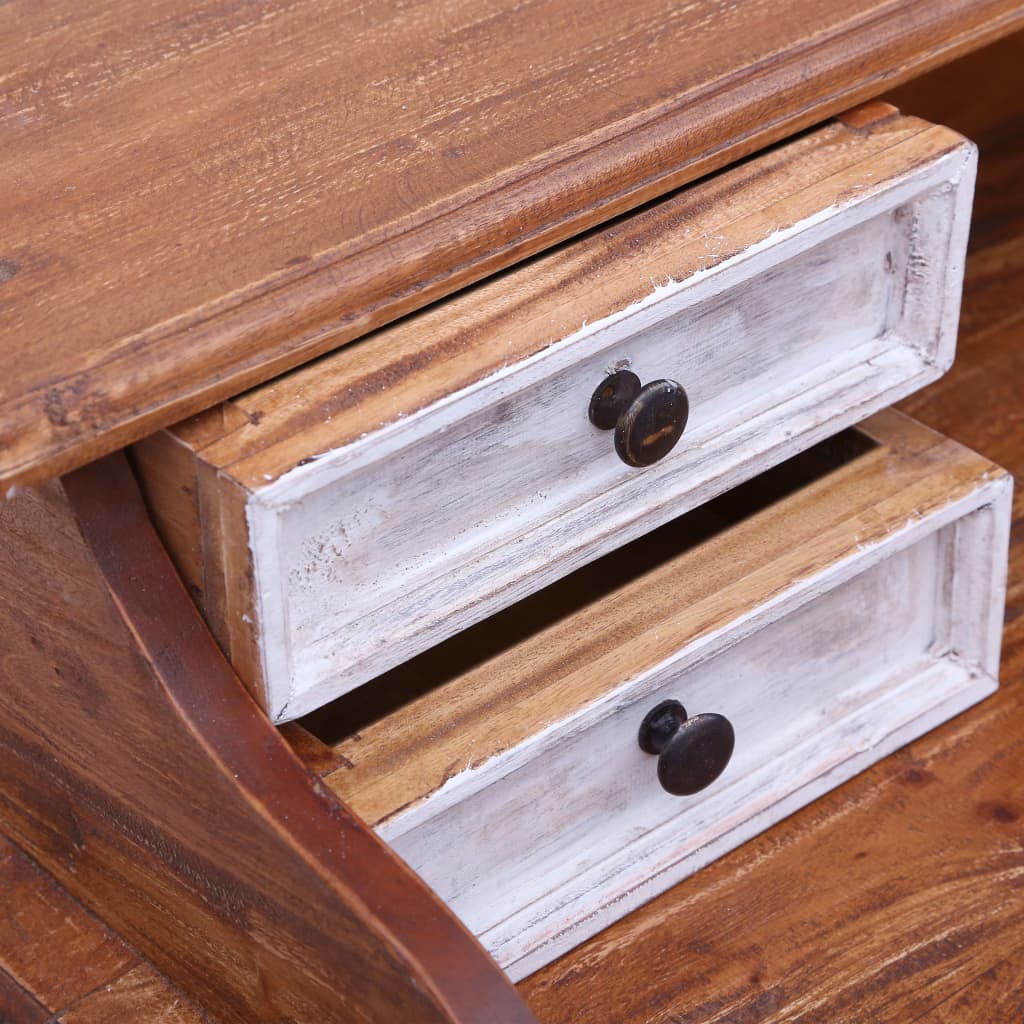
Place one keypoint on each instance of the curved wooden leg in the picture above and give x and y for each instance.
(136, 768)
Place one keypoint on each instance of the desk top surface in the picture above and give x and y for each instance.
(200, 194)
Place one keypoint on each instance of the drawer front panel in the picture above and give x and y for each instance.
(786, 687)
(562, 846)
(790, 297)
(513, 486)
(813, 696)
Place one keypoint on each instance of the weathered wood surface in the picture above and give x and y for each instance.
(67, 965)
(48, 943)
(809, 922)
(139, 996)
(791, 296)
(136, 769)
(898, 897)
(17, 1006)
(198, 196)
(996, 995)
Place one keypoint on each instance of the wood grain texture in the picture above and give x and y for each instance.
(898, 898)
(67, 962)
(200, 196)
(17, 1006)
(49, 944)
(791, 296)
(134, 767)
(139, 995)
(995, 995)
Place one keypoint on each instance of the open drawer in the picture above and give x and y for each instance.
(338, 521)
(831, 610)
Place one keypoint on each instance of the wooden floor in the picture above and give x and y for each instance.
(59, 963)
(900, 896)
(897, 898)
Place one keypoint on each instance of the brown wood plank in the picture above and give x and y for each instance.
(136, 770)
(58, 962)
(198, 196)
(899, 896)
(995, 997)
(49, 943)
(139, 995)
(17, 1006)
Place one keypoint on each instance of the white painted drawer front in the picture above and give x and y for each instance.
(383, 549)
(843, 645)
(838, 294)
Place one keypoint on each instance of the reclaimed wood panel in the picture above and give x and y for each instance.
(199, 196)
(17, 1006)
(139, 996)
(49, 943)
(69, 964)
(996, 996)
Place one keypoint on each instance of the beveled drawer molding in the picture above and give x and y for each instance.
(345, 517)
(848, 614)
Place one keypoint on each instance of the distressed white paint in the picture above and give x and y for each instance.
(371, 553)
(545, 844)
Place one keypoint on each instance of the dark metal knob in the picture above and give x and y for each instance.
(613, 398)
(692, 752)
(648, 420)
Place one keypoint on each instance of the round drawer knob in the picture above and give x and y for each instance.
(655, 420)
(692, 752)
(648, 420)
(613, 398)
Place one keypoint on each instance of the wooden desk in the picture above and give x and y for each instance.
(199, 196)
(895, 898)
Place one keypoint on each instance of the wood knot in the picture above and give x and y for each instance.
(8, 268)
(995, 810)
(917, 776)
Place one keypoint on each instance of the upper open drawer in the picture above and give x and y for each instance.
(345, 517)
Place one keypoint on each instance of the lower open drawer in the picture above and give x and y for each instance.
(831, 610)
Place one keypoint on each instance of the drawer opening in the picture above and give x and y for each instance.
(432, 670)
